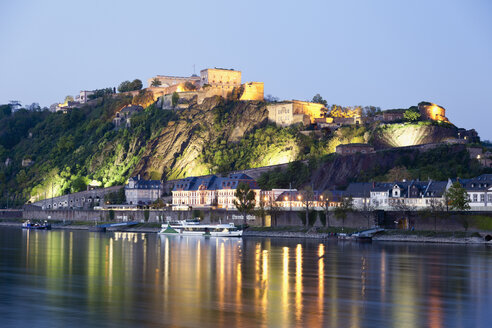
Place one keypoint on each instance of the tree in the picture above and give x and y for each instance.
(411, 115)
(245, 200)
(175, 99)
(398, 173)
(458, 197)
(325, 198)
(367, 211)
(273, 210)
(34, 107)
(319, 100)
(346, 206)
(155, 82)
(68, 98)
(371, 111)
(271, 98)
(306, 196)
(136, 85)
(262, 211)
(436, 207)
(124, 86)
(189, 86)
(78, 184)
(5, 111)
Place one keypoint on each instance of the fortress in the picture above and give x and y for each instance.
(291, 112)
(211, 82)
(432, 112)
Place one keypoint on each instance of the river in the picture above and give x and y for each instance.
(64, 278)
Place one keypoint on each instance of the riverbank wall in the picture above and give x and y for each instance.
(444, 221)
(10, 214)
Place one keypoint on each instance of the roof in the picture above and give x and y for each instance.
(481, 183)
(408, 189)
(144, 184)
(219, 69)
(212, 182)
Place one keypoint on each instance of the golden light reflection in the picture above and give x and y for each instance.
(264, 283)
(198, 256)
(239, 281)
(298, 283)
(166, 265)
(221, 277)
(435, 310)
(70, 254)
(285, 283)
(321, 279)
(257, 268)
(111, 251)
(405, 300)
(264, 267)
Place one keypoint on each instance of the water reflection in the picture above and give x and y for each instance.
(137, 279)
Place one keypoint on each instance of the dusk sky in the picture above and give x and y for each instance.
(391, 54)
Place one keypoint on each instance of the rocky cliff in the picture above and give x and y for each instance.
(175, 152)
(340, 170)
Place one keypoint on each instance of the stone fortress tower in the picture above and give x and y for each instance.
(432, 112)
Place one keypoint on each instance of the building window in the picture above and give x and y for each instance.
(482, 198)
(475, 198)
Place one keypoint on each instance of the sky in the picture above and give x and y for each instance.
(391, 54)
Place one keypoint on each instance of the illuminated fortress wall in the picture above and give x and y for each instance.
(168, 81)
(252, 91)
(433, 112)
(220, 77)
(295, 111)
(313, 110)
(223, 91)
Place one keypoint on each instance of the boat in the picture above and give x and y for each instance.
(40, 226)
(194, 228)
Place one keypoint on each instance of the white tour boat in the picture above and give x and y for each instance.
(194, 228)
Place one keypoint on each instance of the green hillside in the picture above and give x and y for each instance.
(69, 151)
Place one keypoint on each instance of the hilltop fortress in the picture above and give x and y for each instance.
(211, 82)
(178, 92)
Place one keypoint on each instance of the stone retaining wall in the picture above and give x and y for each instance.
(445, 221)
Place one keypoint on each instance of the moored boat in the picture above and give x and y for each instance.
(194, 228)
(40, 226)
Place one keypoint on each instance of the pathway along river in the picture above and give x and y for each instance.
(77, 278)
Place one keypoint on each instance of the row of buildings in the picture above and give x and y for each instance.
(219, 192)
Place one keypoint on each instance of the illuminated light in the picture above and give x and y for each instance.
(221, 277)
(265, 265)
(285, 285)
(435, 310)
(298, 283)
(321, 278)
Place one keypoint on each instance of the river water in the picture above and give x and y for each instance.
(76, 278)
